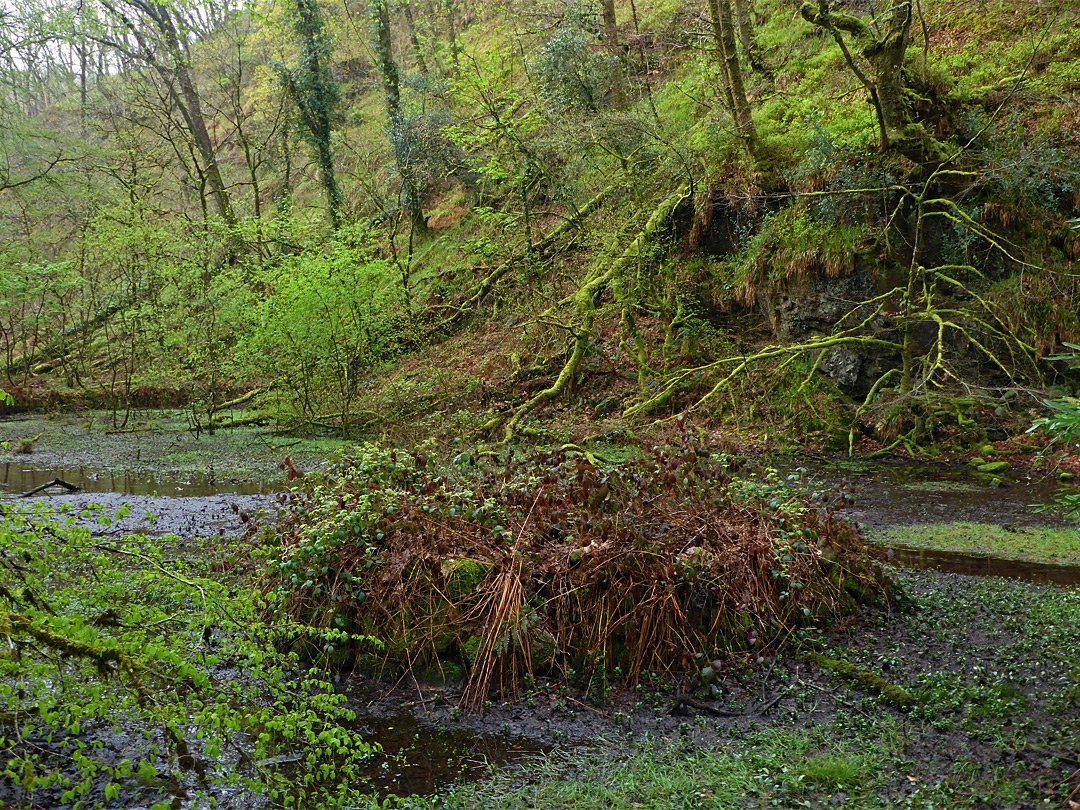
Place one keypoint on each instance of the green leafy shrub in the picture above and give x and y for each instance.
(571, 74)
(1024, 172)
(1063, 424)
(328, 319)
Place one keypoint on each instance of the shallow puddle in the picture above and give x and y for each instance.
(984, 565)
(900, 493)
(16, 479)
(423, 760)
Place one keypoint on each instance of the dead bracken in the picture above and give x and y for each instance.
(556, 564)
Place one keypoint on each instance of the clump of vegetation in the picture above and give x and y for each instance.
(555, 561)
(26, 446)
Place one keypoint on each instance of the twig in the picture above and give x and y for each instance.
(684, 702)
(771, 703)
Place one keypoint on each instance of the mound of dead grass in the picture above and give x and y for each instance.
(552, 562)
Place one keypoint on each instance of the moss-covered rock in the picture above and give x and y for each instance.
(463, 578)
(543, 647)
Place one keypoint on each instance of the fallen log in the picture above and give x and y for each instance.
(56, 482)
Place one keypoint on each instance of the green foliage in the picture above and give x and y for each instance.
(423, 152)
(499, 137)
(130, 666)
(791, 243)
(33, 298)
(1063, 425)
(840, 168)
(327, 320)
(1022, 170)
(571, 74)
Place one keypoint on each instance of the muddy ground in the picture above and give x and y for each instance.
(999, 700)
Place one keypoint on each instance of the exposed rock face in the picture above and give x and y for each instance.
(855, 369)
(814, 305)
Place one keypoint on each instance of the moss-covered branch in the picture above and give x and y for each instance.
(868, 681)
(103, 656)
(584, 300)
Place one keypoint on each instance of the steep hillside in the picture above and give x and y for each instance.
(557, 220)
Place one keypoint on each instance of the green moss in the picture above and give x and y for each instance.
(943, 486)
(464, 577)
(867, 680)
(1060, 546)
(542, 648)
(994, 467)
(470, 647)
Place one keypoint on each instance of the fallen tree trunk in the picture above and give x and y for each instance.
(56, 482)
(486, 285)
(585, 303)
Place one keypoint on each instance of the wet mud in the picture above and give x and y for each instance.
(420, 756)
(971, 646)
(187, 518)
(900, 492)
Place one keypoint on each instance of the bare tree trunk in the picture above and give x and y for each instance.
(450, 10)
(414, 40)
(744, 12)
(888, 60)
(174, 74)
(735, 90)
(608, 7)
(191, 110)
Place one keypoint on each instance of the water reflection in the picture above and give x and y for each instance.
(420, 758)
(17, 478)
(986, 566)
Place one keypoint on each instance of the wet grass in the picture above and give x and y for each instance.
(851, 762)
(757, 769)
(1056, 546)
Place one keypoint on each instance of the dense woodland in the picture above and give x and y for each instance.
(854, 221)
